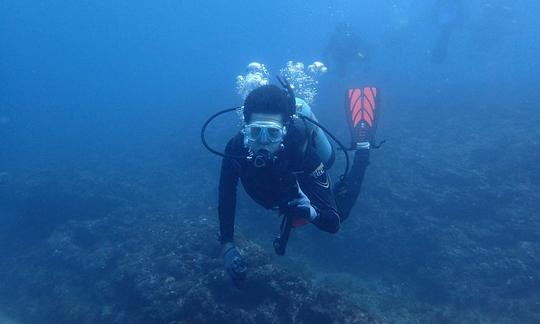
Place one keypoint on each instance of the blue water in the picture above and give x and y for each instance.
(101, 100)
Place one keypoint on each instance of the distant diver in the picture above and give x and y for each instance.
(345, 48)
(281, 155)
(447, 16)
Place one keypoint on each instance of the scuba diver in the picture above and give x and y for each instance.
(447, 15)
(281, 156)
(344, 48)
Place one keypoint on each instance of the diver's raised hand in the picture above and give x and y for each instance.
(303, 205)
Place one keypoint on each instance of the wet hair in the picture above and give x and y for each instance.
(268, 99)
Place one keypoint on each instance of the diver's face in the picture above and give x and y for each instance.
(265, 132)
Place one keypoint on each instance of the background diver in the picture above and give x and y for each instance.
(282, 162)
(344, 48)
(447, 15)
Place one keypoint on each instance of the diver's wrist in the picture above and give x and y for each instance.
(227, 246)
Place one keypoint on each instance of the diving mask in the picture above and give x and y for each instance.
(264, 132)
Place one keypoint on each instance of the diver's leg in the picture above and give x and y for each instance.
(347, 190)
(362, 111)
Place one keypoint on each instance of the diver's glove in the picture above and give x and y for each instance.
(235, 265)
(303, 204)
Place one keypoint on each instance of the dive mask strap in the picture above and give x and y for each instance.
(290, 93)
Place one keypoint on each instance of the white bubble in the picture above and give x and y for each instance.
(256, 76)
(254, 67)
(317, 68)
(304, 82)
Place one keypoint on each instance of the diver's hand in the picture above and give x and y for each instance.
(235, 265)
(304, 205)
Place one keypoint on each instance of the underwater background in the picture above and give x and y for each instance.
(108, 200)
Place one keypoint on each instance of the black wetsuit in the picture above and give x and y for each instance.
(275, 184)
